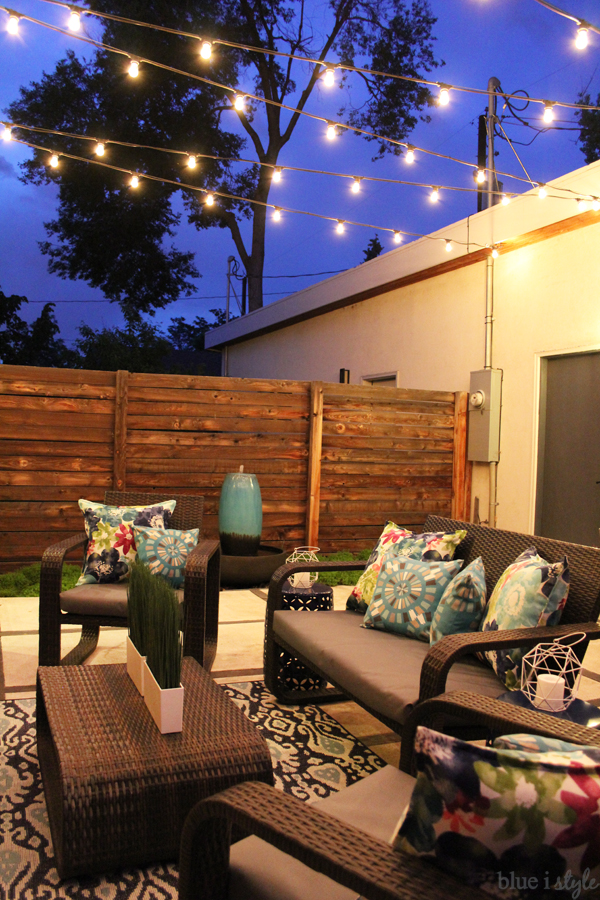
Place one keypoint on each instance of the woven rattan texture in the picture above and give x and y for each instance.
(117, 790)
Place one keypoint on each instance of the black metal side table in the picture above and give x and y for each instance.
(316, 597)
(294, 675)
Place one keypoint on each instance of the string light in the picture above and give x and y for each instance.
(74, 22)
(542, 192)
(99, 149)
(548, 112)
(448, 245)
(329, 77)
(410, 154)
(340, 227)
(505, 200)
(495, 253)
(191, 162)
(210, 200)
(134, 68)
(206, 50)
(596, 204)
(238, 102)
(444, 95)
(54, 161)
(12, 26)
(581, 205)
(355, 186)
(435, 194)
(397, 237)
(277, 214)
(331, 131)
(277, 173)
(7, 133)
(480, 176)
(134, 181)
(581, 38)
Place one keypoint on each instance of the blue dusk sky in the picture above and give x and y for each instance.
(520, 42)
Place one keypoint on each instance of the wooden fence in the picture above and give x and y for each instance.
(333, 461)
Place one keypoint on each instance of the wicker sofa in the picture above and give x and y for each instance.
(388, 674)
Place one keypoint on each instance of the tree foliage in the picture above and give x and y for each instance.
(589, 121)
(374, 248)
(121, 240)
(31, 345)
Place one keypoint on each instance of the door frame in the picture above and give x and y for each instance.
(540, 363)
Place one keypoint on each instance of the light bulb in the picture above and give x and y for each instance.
(99, 149)
(277, 173)
(331, 131)
(448, 246)
(238, 102)
(54, 161)
(542, 192)
(277, 214)
(135, 181)
(206, 49)
(495, 253)
(435, 194)
(596, 204)
(134, 68)
(74, 21)
(7, 133)
(548, 113)
(410, 155)
(340, 227)
(329, 77)
(505, 199)
(12, 26)
(397, 237)
(581, 205)
(355, 186)
(444, 95)
(209, 200)
(191, 161)
(480, 176)
(581, 38)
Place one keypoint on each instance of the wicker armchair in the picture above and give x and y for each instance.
(200, 592)
(303, 654)
(333, 840)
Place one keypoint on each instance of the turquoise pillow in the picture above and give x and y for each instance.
(165, 552)
(407, 593)
(536, 743)
(462, 604)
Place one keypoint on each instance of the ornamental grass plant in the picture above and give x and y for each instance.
(164, 646)
(141, 581)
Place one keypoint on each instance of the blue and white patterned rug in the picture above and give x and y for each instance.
(313, 756)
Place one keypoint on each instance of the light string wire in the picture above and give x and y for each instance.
(194, 188)
(341, 125)
(324, 63)
(236, 159)
(555, 9)
(510, 144)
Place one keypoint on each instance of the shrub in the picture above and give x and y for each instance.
(336, 577)
(25, 582)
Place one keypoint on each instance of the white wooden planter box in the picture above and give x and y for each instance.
(165, 706)
(135, 666)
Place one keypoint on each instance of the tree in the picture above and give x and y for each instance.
(31, 345)
(589, 121)
(374, 248)
(190, 336)
(113, 238)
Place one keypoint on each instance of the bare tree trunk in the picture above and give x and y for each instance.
(257, 260)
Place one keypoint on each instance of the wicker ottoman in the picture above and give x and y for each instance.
(118, 791)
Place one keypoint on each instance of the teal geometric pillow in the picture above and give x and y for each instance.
(462, 604)
(512, 823)
(530, 593)
(407, 593)
(166, 552)
(536, 743)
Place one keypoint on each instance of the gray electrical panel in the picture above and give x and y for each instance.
(485, 400)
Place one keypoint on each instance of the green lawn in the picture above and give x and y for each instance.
(25, 582)
(335, 577)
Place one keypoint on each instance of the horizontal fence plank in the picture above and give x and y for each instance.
(49, 433)
(52, 463)
(41, 419)
(24, 388)
(96, 479)
(369, 392)
(224, 398)
(53, 376)
(56, 404)
(392, 405)
(254, 467)
(371, 429)
(191, 423)
(219, 383)
(397, 420)
(40, 449)
(214, 412)
(410, 443)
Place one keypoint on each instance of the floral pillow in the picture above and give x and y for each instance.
(530, 593)
(462, 604)
(509, 822)
(165, 552)
(429, 545)
(111, 546)
(407, 593)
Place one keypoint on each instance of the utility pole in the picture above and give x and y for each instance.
(492, 182)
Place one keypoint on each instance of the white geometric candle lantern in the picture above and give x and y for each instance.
(303, 555)
(550, 673)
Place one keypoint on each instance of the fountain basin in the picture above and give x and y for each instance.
(251, 571)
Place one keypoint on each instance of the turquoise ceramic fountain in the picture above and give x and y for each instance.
(240, 514)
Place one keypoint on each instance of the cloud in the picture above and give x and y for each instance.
(7, 170)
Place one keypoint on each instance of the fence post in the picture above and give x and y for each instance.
(461, 468)
(120, 440)
(315, 443)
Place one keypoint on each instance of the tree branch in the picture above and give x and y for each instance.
(232, 223)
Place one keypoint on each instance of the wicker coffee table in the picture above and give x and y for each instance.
(118, 791)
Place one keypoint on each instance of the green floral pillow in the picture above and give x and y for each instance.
(511, 823)
(462, 604)
(530, 593)
(407, 593)
(111, 546)
(429, 545)
(165, 552)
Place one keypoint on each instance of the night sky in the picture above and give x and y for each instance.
(523, 44)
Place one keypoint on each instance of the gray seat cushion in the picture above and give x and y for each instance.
(99, 600)
(261, 872)
(380, 669)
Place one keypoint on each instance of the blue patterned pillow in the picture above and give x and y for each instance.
(537, 743)
(407, 593)
(166, 552)
(462, 604)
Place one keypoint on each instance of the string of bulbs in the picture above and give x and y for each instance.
(239, 98)
(76, 12)
(583, 27)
